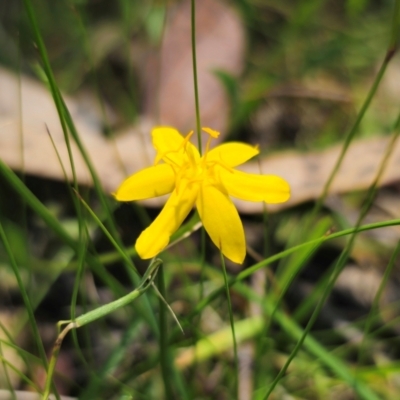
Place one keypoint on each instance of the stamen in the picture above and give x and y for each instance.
(161, 156)
(188, 150)
(187, 138)
(221, 164)
(207, 149)
(214, 134)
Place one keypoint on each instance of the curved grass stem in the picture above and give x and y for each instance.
(95, 314)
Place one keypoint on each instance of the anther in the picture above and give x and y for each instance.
(214, 134)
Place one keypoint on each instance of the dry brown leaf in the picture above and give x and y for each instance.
(26, 108)
(220, 45)
(307, 173)
(25, 395)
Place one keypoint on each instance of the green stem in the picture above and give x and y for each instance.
(375, 304)
(51, 80)
(251, 270)
(99, 312)
(315, 348)
(341, 263)
(388, 56)
(293, 330)
(164, 351)
(24, 295)
(196, 88)
(67, 123)
(202, 262)
(232, 323)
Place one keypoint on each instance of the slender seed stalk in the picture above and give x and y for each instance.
(198, 130)
(164, 356)
(196, 88)
(232, 323)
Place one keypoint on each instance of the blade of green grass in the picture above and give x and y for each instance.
(291, 328)
(392, 48)
(232, 324)
(25, 297)
(249, 271)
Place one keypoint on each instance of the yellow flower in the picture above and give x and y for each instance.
(205, 182)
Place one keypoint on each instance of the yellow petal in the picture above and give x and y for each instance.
(169, 144)
(232, 154)
(252, 187)
(147, 183)
(156, 237)
(222, 223)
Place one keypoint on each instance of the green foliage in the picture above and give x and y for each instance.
(75, 254)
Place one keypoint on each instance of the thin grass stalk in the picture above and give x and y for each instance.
(55, 225)
(52, 83)
(97, 313)
(66, 121)
(25, 297)
(82, 241)
(60, 106)
(308, 304)
(334, 363)
(128, 263)
(111, 225)
(289, 275)
(199, 145)
(249, 271)
(252, 327)
(337, 270)
(95, 386)
(18, 372)
(169, 372)
(232, 323)
(7, 374)
(389, 269)
(113, 256)
(163, 339)
(195, 80)
(293, 330)
(375, 303)
(93, 72)
(149, 317)
(392, 48)
(129, 32)
(202, 261)
(198, 130)
(341, 263)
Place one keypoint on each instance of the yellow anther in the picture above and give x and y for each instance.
(211, 132)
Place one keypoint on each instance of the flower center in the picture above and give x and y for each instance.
(193, 169)
(204, 169)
